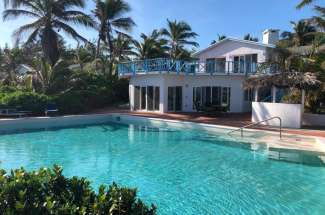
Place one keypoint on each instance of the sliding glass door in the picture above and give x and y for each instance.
(136, 98)
(146, 98)
(211, 96)
(175, 95)
(245, 63)
(143, 99)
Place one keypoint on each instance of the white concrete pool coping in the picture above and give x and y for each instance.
(289, 141)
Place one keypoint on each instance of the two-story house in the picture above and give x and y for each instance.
(214, 80)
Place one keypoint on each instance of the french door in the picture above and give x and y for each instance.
(175, 98)
(146, 98)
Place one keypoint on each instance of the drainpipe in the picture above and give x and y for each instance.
(256, 94)
(273, 94)
(303, 100)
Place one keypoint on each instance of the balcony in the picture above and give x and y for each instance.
(217, 67)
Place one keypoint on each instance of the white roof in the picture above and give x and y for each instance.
(235, 40)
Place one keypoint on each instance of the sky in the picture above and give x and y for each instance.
(208, 18)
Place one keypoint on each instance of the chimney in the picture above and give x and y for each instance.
(271, 36)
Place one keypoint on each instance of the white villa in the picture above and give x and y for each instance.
(214, 81)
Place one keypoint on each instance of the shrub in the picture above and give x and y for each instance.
(29, 101)
(47, 191)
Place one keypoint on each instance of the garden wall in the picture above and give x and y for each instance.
(291, 114)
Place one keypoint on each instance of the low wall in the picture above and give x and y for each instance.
(313, 119)
(7, 125)
(291, 114)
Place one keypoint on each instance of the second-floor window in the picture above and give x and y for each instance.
(214, 65)
(245, 63)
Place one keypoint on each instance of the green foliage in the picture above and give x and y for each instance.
(48, 191)
(28, 101)
(89, 91)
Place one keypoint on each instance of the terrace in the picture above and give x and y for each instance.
(193, 67)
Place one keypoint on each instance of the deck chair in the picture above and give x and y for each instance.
(51, 109)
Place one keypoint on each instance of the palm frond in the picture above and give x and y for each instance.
(123, 23)
(303, 3)
(14, 13)
(25, 29)
(77, 17)
(69, 30)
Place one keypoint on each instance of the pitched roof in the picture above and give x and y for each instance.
(235, 40)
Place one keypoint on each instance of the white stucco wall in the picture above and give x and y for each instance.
(164, 81)
(229, 49)
(291, 114)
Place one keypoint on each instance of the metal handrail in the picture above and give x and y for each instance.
(241, 129)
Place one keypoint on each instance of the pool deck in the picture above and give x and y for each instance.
(224, 119)
(303, 140)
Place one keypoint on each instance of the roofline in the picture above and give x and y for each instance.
(236, 40)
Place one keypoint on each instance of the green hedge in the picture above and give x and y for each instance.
(28, 101)
(47, 191)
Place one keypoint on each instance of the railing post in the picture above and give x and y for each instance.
(280, 127)
(134, 68)
(241, 132)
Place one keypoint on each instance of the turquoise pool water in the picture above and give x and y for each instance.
(181, 171)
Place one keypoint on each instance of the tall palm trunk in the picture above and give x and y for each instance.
(111, 47)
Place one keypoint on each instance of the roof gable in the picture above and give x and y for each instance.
(233, 40)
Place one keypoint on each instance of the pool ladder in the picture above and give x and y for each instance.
(241, 129)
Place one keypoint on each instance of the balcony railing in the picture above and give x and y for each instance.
(163, 65)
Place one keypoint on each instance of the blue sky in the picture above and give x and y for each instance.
(207, 17)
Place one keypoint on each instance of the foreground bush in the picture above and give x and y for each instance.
(47, 191)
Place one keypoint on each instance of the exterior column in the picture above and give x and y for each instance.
(256, 94)
(273, 94)
(131, 97)
(303, 100)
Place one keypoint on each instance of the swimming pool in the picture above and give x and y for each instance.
(182, 171)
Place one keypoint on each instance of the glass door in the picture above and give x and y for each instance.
(175, 95)
(136, 98)
(157, 98)
(150, 100)
(143, 98)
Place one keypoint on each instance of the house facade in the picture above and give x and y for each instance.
(213, 81)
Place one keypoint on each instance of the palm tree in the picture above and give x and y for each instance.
(220, 37)
(51, 17)
(111, 19)
(123, 48)
(178, 35)
(303, 3)
(320, 20)
(151, 46)
(10, 61)
(250, 38)
(303, 34)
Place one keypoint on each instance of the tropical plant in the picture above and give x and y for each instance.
(249, 37)
(111, 19)
(320, 20)
(123, 48)
(9, 63)
(51, 79)
(151, 46)
(179, 36)
(48, 191)
(303, 33)
(51, 17)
